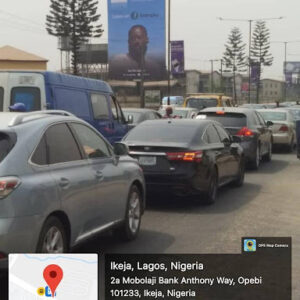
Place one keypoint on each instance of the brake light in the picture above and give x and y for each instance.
(284, 128)
(245, 132)
(193, 156)
(7, 185)
(2, 255)
(220, 112)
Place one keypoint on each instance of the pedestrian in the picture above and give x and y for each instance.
(17, 107)
(169, 112)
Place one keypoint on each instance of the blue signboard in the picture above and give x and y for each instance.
(136, 39)
(177, 57)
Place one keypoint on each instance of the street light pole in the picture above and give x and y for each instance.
(250, 21)
(169, 50)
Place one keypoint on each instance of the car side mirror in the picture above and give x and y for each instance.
(130, 119)
(269, 123)
(120, 149)
(226, 141)
(236, 139)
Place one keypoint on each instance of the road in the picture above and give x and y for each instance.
(267, 205)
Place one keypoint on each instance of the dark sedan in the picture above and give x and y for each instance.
(250, 126)
(186, 156)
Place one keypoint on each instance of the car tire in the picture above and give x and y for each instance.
(268, 157)
(129, 229)
(211, 193)
(254, 164)
(239, 181)
(53, 229)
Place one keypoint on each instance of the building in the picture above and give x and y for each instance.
(15, 59)
(271, 90)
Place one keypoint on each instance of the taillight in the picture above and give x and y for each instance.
(2, 255)
(194, 156)
(7, 185)
(284, 128)
(245, 132)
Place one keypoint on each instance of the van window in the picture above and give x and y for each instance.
(1, 98)
(74, 101)
(29, 96)
(100, 106)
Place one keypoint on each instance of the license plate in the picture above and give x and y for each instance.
(147, 160)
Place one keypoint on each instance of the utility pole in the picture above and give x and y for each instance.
(169, 51)
(250, 21)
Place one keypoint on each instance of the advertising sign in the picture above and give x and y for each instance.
(291, 67)
(177, 57)
(136, 39)
(254, 72)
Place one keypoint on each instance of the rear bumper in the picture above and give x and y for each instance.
(281, 138)
(249, 147)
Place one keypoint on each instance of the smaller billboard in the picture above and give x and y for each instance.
(291, 67)
(177, 57)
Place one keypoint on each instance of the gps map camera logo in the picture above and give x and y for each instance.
(249, 245)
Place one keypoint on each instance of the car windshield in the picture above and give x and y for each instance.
(161, 132)
(227, 119)
(201, 103)
(273, 115)
(136, 115)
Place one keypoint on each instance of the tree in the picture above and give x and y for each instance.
(234, 56)
(74, 19)
(260, 55)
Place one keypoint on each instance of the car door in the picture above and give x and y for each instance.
(109, 182)
(233, 162)
(219, 153)
(73, 178)
(266, 133)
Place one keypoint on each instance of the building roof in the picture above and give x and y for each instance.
(14, 54)
(270, 79)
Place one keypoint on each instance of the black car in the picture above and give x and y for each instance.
(186, 156)
(250, 126)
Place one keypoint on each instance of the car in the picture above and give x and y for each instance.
(283, 128)
(186, 157)
(61, 183)
(182, 112)
(173, 101)
(134, 116)
(295, 111)
(250, 126)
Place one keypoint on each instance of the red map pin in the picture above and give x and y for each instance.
(53, 275)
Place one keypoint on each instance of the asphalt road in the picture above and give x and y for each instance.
(267, 205)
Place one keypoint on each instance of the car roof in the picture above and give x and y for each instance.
(177, 122)
(138, 109)
(241, 110)
(12, 120)
(273, 110)
(186, 108)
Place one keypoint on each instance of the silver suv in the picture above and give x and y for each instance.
(61, 182)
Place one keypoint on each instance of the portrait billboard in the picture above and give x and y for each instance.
(136, 39)
(177, 57)
(255, 69)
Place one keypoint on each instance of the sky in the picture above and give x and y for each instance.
(22, 25)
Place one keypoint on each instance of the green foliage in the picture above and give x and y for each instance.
(234, 55)
(74, 19)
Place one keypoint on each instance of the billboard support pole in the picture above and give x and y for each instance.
(284, 95)
(169, 51)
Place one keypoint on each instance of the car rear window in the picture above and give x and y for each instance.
(201, 103)
(227, 119)
(161, 133)
(7, 142)
(29, 96)
(273, 116)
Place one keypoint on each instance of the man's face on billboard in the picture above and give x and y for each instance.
(138, 41)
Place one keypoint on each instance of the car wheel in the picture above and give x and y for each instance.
(133, 216)
(53, 238)
(268, 157)
(239, 181)
(211, 194)
(254, 164)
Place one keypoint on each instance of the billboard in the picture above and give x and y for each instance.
(291, 67)
(177, 57)
(255, 69)
(136, 39)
